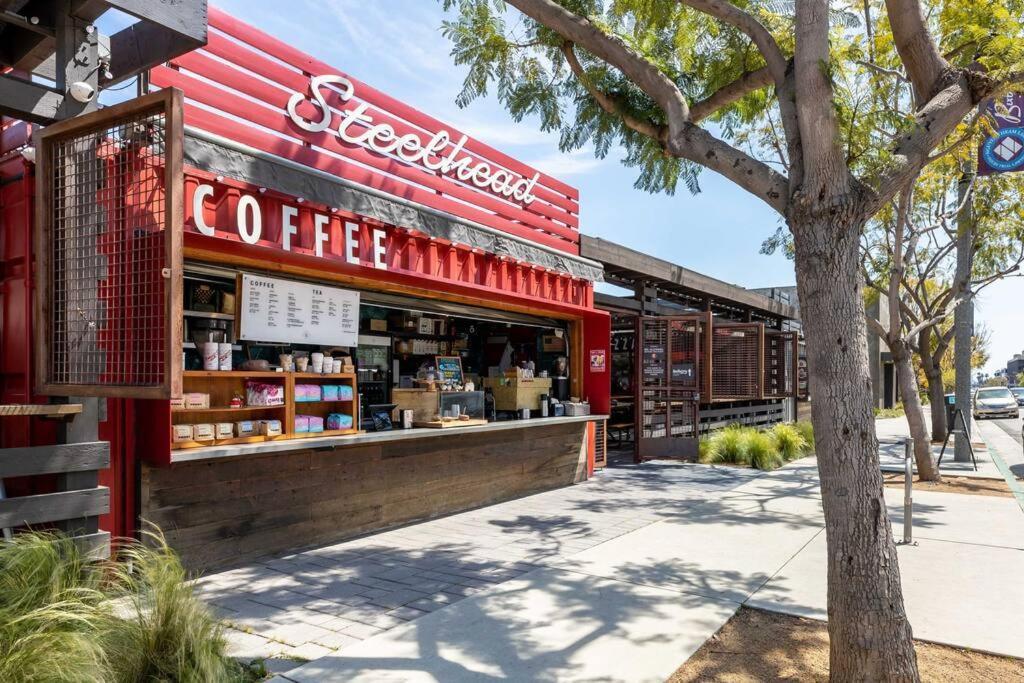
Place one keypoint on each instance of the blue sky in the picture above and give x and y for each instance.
(396, 46)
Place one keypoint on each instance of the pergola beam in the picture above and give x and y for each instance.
(29, 101)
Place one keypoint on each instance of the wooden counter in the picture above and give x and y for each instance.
(225, 504)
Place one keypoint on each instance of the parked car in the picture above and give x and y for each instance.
(995, 402)
(1018, 393)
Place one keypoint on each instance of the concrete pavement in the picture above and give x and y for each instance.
(617, 579)
(892, 431)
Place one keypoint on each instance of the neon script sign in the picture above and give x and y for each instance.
(357, 127)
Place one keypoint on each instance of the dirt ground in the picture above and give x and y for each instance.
(759, 646)
(951, 484)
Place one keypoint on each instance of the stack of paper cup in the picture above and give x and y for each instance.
(211, 357)
(318, 362)
(224, 356)
(336, 366)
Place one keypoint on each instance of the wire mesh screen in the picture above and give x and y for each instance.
(736, 362)
(684, 352)
(668, 414)
(107, 252)
(779, 364)
(601, 443)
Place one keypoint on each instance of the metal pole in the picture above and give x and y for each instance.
(908, 488)
(963, 317)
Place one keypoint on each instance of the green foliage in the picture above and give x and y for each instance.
(164, 631)
(897, 411)
(806, 429)
(49, 612)
(730, 445)
(64, 618)
(789, 441)
(521, 62)
(762, 449)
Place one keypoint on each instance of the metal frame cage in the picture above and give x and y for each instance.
(736, 361)
(668, 399)
(108, 249)
(780, 359)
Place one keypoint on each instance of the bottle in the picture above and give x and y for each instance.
(543, 405)
(489, 411)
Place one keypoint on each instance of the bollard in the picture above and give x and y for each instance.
(908, 487)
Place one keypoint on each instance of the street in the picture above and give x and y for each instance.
(1011, 427)
(1014, 457)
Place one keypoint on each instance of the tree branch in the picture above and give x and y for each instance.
(819, 127)
(918, 52)
(607, 102)
(932, 124)
(580, 30)
(727, 94)
(779, 67)
(684, 139)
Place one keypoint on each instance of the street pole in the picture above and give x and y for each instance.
(963, 316)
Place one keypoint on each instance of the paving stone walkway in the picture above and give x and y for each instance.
(319, 601)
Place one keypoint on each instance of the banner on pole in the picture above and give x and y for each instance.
(1004, 151)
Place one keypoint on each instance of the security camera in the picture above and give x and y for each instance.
(82, 91)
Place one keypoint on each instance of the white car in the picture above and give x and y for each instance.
(995, 402)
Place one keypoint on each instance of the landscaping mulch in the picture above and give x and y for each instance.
(950, 484)
(757, 646)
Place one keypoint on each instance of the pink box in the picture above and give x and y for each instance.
(307, 392)
(263, 394)
(301, 424)
(316, 424)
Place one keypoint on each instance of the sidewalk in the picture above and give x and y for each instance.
(618, 579)
(891, 433)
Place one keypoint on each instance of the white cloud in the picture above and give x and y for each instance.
(561, 164)
(501, 134)
(415, 46)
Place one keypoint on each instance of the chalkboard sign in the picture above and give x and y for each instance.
(290, 312)
(449, 369)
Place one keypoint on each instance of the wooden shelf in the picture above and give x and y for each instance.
(40, 409)
(232, 374)
(209, 314)
(265, 373)
(227, 409)
(326, 432)
(191, 345)
(223, 385)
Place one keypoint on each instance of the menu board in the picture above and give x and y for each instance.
(449, 368)
(290, 312)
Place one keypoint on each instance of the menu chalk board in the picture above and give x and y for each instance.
(290, 312)
(449, 368)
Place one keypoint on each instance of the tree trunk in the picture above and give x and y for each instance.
(870, 637)
(937, 398)
(931, 365)
(905, 375)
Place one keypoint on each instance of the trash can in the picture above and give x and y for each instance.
(950, 410)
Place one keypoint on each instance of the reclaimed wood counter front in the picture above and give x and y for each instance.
(220, 506)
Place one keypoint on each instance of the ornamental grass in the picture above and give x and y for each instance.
(753, 447)
(136, 618)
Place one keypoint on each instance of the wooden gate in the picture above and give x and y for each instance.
(668, 395)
